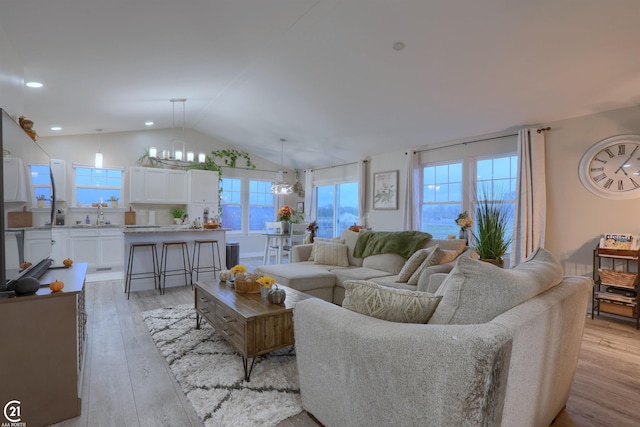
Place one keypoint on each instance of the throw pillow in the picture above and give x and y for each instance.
(434, 258)
(413, 263)
(476, 292)
(322, 239)
(331, 254)
(394, 305)
(449, 255)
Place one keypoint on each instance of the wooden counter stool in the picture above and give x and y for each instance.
(195, 263)
(186, 265)
(143, 274)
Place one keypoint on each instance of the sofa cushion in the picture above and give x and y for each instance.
(392, 282)
(350, 238)
(322, 239)
(391, 263)
(356, 273)
(476, 292)
(331, 254)
(412, 264)
(394, 305)
(302, 276)
(435, 257)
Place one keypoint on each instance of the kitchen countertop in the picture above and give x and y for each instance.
(167, 229)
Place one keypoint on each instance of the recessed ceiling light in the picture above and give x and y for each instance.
(398, 46)
(33, 84)
(148, 123)
(56, 128)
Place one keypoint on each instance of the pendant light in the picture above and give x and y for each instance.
(178, 153)
(98, 160)
(280, 186)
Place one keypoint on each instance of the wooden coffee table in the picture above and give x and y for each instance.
(251, 324)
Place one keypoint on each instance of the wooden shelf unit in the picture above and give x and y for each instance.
(618, 293)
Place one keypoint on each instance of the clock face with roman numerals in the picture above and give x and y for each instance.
(611, 168)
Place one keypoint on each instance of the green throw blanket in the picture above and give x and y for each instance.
(403, 243)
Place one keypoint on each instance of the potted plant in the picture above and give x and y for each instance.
(176, 213)
(41, 198)
(491, 239)
(114, 201)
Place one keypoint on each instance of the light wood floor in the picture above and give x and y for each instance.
(128, 383)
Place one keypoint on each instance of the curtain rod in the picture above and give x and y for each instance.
(336, 166)
(539, 130)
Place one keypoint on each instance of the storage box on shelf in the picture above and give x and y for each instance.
(616, 287)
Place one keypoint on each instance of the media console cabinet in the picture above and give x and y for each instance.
(43, 344)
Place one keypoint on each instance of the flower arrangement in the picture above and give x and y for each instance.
(464, 221)
(266, 281)
(313, 226)
(284, 213)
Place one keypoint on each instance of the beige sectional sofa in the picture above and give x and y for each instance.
(501, 348)
(325, 278)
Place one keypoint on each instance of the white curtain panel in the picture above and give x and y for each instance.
(411, 220)
(308, 195)
(362, 192)
(531, 199)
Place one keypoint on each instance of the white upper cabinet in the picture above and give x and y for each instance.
(203, 186)
(59, 172)
(15, 180)
(158, 186)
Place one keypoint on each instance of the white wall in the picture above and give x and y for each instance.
(122, 149)
(11, 79)
(576, 218)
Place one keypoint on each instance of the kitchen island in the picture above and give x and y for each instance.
(159, 234)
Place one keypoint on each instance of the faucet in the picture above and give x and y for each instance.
(100, 217)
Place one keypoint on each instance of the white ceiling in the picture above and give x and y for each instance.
(323, 73)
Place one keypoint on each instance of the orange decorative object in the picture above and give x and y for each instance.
(67, 262)
(56, 285)
(25, 265)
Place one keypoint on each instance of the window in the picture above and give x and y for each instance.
(445, 192)
(336, 208)
(254, 208)
(97, 185)
(231, 202)
(496, 180)
(441, 198)
(41, 182)
(261, 205)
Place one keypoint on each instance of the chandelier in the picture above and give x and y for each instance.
(280, 186)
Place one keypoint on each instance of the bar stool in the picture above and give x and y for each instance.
(195, 263)
(143, 274)
(186, 265)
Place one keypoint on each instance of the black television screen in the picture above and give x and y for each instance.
(18, 149)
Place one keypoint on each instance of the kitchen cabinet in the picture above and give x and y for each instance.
(203, 187)
(60, 245)
(157, 186)
(59, 172)
(102, 248)
(37, 244)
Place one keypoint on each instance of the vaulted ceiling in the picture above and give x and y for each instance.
(324, 74)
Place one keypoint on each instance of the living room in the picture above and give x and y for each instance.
(604, 105)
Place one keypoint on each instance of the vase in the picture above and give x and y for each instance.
(40, 203)
(497, 262)
(264, 292)
(285, 227)
(312, 236)
(463, 233)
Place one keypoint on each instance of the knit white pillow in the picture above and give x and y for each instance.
(394, 305)
(413, 263)
(331, 254)
(322, 239)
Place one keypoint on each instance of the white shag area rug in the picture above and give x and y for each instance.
(211, 375)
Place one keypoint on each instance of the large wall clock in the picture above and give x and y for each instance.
(611, 168)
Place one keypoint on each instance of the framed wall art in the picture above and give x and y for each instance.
(300, 207)
(385, 190)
